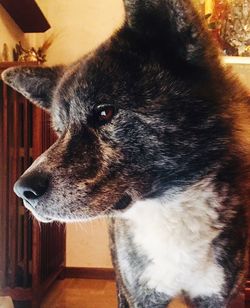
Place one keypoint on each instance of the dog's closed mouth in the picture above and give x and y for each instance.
(43, 218)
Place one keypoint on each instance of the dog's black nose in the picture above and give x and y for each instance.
(32, 185)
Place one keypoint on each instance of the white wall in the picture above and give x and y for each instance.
(79, 26)
(243, 71)
(87, 245)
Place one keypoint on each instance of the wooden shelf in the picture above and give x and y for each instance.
(27, 15)
(236, 60)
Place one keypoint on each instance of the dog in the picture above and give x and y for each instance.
(153, 132)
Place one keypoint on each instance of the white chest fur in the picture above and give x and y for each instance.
(176, 235)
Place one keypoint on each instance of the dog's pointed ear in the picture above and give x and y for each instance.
(35, 83)
(174, 24)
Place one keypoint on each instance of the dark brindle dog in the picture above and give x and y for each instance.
(152, 133)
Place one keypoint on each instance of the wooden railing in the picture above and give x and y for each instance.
(31, 255)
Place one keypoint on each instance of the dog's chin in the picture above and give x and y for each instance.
(114, 210)
(41, 217)
(38, 217)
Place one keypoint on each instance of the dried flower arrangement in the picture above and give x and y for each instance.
(32, 55)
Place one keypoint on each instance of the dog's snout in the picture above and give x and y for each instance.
(32, 186)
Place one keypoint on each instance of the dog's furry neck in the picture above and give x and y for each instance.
(180, 229)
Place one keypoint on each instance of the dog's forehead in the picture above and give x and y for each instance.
(91, 81)
(106, 77)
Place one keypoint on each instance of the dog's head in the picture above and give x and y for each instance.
(138, 117)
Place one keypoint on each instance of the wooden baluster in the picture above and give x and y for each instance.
(26, 147)
(3, 183)
(15, 237)
(11, 199)
(36, 239)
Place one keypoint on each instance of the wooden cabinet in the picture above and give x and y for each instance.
(31, 254)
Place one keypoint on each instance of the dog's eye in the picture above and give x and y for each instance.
(103, 114)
